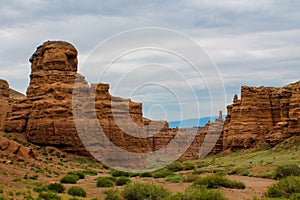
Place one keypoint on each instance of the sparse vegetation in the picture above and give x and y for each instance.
(216, 181)
(141, 191)
(287, 170)
(178, 178)
(197, 193)
(284, 188)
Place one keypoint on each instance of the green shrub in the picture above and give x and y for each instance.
(77, 191)
(162, 173)
(105, 182)
(141, 191)
(80, 174)
(287, 170)
(284, 187)
(118, 173)
(122, 180)
(1, 191)
(69, 178)
(2, 198)
(175, 167)
(188, 166)
(49, 195)
(178, 178)
(57, 187)
(145, 174)
(112, 195)
(216, 181)
(197, 193)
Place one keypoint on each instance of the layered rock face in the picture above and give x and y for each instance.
(46, 115)
(264, 113)
(4, 88)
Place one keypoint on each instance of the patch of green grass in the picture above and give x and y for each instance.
(162, 173)
(216, 181)
(198, 193)
(142, 191)
(178, 178)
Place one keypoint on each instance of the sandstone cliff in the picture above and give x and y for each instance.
(264, 114)
(46, 114)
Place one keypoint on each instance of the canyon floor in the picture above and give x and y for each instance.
(19, 179)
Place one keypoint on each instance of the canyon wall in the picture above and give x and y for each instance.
(46, 116)
(263, 114)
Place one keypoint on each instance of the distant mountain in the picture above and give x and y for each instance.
(189, 123)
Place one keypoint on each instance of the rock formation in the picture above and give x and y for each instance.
(46, 115)
(262, 114)
(15, 150)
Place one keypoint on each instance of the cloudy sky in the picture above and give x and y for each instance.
(239, 42)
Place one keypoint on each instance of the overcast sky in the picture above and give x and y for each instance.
(250, 42)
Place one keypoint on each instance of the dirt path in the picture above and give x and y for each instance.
(254, 187)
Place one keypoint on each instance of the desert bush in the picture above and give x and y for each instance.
(284, 187)
(80, 174)
(118, 173)
(178, 178)
(2, 198)
(77, 191)
(49, 195)
(287, 170)
(162, 173)
(57, 187)
(145, 174)
(175, 167)
(105, 182)
(141, 191)
(112, 195)
(216, 181)
(197, 193)
(69, 178)
(122, 180)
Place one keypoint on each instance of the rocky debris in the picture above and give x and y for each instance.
(15, 150)
(263, 113)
